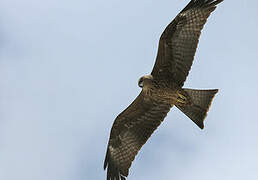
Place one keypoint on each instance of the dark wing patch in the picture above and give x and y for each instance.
(129, 133)
(178, 43)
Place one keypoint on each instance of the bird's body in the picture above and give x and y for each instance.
(160, 92)
(162, 89)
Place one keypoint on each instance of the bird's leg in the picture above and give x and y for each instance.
(182, 98)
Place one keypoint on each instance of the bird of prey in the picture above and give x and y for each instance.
(162, 89)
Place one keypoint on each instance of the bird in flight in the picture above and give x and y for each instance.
(162, 89)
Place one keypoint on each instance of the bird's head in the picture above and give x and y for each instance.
(145, 80)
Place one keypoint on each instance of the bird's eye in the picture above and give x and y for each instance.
(140, 83)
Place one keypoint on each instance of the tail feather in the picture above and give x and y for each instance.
(199, 106)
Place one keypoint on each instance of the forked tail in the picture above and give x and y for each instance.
(199, 106)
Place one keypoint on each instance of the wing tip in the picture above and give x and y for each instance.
(202, 3)
(113, 172)
(201, 126)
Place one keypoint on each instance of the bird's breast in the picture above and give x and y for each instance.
(162, 95)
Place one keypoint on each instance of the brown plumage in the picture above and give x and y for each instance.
(162, 89)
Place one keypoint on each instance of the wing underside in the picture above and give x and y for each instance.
(178, 43)
(130, 131)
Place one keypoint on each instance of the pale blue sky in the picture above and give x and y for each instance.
(68, 68)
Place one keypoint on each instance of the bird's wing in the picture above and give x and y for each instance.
(130, 131)
(179, 41)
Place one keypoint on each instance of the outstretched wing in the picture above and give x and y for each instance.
(130, 131)
(179, 41)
